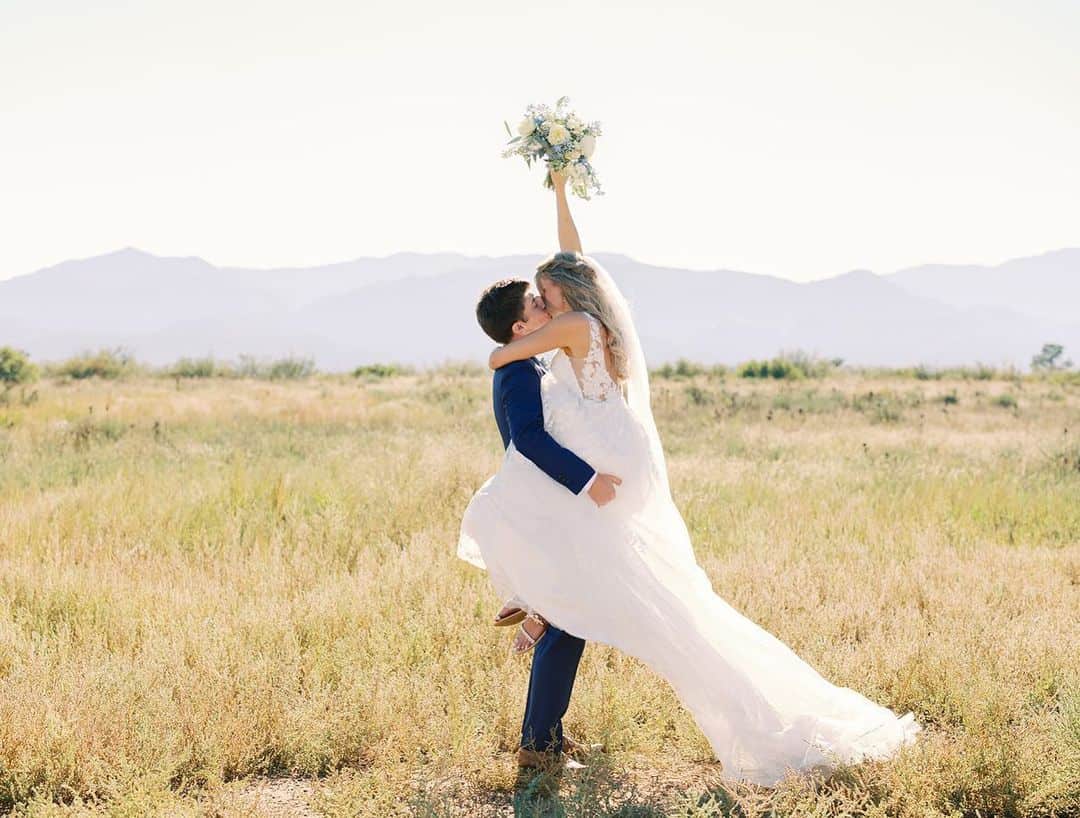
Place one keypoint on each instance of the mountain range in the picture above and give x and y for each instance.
(419, 309)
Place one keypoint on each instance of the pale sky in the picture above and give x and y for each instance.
(800, 139)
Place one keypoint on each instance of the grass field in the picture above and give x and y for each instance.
(209, 583)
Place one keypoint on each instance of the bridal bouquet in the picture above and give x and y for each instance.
(562, 140)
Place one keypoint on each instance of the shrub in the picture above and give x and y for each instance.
(105, 363)
(776, 368)
(682, 368)
(291, 368)
(810, 365)
(288, 368)
(1006, 401)
(380, 371)
(195, 368)
(15, 368)
(788, 366)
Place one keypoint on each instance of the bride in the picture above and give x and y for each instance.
(625, 573)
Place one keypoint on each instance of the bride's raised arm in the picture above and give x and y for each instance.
(571, 330)
(568, 235)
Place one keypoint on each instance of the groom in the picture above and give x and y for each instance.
(508, 310)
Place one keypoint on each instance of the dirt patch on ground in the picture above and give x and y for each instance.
(278, 798)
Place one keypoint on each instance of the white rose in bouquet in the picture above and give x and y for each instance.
(587, 145)
(558, 134)
(526, 126)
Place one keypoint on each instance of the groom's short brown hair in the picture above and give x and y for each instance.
(500, 306)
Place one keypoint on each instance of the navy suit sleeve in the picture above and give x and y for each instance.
(525, 414)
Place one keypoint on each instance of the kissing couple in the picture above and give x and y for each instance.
(578, 530)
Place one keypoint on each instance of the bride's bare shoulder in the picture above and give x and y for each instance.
(573, 318)
(573, 331)
(582, 322)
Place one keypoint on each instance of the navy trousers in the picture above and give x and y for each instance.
(554, 668)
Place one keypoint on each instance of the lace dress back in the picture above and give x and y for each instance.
(591, 371)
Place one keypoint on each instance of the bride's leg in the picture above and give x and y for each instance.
(529, 632)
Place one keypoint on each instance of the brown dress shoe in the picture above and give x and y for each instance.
(577, 750)
(546, 760)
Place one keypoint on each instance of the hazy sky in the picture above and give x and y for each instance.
(792, 138)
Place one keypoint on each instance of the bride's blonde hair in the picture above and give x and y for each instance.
(577, 280)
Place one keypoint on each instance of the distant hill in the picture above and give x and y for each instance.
(1046, 286)
(419, 308)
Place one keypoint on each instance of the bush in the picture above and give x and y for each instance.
(105, 363)
(776, 368)
(15, 368)
(289, 368)
(810, 365)
(788, 366)
(196, 368)
(1006, 401)
(380, 371)
(683, 368)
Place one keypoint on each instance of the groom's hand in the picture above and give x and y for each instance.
(602, 491)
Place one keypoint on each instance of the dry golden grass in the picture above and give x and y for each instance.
(206, 585)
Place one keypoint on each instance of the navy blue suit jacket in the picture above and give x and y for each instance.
(520, 415)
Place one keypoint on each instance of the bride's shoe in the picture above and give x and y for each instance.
(530, 640)
(509, 615)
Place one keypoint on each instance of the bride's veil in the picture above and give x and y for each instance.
(637, 381)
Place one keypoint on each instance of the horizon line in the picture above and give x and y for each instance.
(434, 253)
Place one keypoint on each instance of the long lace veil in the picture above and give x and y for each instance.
(637, 383)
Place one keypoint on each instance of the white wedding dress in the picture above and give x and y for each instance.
(625, 574)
